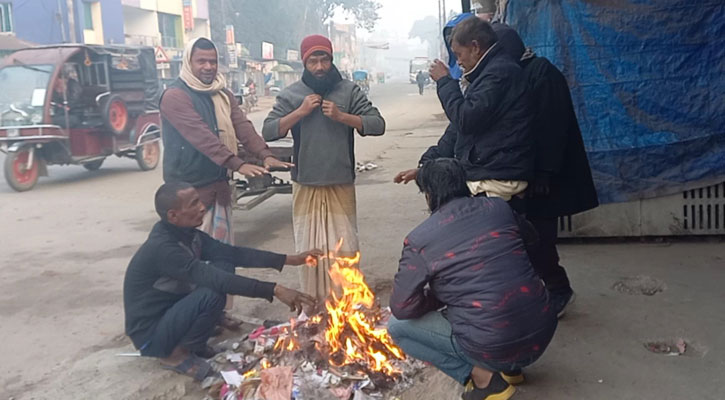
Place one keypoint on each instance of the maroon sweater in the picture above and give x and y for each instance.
(176, 107)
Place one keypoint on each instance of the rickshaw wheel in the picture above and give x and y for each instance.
(148, 155)
(17, 175)
(115, 114)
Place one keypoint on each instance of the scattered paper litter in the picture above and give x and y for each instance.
(233, 378)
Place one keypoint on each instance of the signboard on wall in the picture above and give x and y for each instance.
(232, 56)
(293, 55)
(230, 34)
(267, 51)
(188, 16)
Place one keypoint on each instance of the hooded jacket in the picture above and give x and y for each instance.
(560, 156)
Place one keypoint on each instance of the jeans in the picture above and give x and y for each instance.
(544, 257)
(188, 323)
(429, 338)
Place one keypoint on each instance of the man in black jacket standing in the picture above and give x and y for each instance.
(563, 182)
(176, 284)
(490, 120)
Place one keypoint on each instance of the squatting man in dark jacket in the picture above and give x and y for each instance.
(176, 284)
(469, 257)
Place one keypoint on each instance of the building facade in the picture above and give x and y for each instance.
(166, 25)
(50, 22)
(344, 45)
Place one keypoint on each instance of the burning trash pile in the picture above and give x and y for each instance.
(344, 352)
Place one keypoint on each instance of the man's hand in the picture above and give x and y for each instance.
(251, 170)
(331, 111)
(299, 259)
(438, 70)
(406, 176)
(294, 299)
(271, 162)
(310, 103)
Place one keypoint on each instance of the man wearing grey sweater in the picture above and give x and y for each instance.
(323, 110)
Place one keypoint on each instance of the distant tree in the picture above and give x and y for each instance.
(283, 22)
(365, 11)
(426, 30)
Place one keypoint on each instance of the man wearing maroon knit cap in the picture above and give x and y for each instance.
(323, 111)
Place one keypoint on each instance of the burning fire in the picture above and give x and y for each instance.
(351, 318)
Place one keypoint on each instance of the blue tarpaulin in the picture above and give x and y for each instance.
(648, 82)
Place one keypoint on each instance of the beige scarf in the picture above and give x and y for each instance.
(222, 104)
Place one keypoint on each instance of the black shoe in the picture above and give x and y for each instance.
(560, 300)
(497, 389)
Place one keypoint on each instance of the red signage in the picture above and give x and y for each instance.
(230, 34)
(188, 18)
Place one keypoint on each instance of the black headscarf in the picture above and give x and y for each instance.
(324, 85)
(510, 40)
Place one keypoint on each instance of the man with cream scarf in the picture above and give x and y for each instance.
(202, 126)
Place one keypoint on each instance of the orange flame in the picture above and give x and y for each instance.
(350, 329)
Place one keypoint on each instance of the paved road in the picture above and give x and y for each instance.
(385, 96)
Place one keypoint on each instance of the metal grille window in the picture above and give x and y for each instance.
(170, 29)
(87, 16)
(6, 17)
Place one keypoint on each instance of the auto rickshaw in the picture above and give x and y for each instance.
(77, 104)
(360, 77)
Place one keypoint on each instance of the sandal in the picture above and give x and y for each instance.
(187, 367)
(207, 352)
(229, 322)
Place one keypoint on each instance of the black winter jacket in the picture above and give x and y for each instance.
(172, 262)
(559, 147)
(490, 126)
(471, 254)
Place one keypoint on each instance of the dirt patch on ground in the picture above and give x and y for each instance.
(640, 285)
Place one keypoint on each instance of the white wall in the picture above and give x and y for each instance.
(201, 29)
(137, 22)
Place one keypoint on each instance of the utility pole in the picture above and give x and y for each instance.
(71, 20)
(440, 31)
(59, 15)
(445, 13)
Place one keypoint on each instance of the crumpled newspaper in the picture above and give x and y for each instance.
(276, 383)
